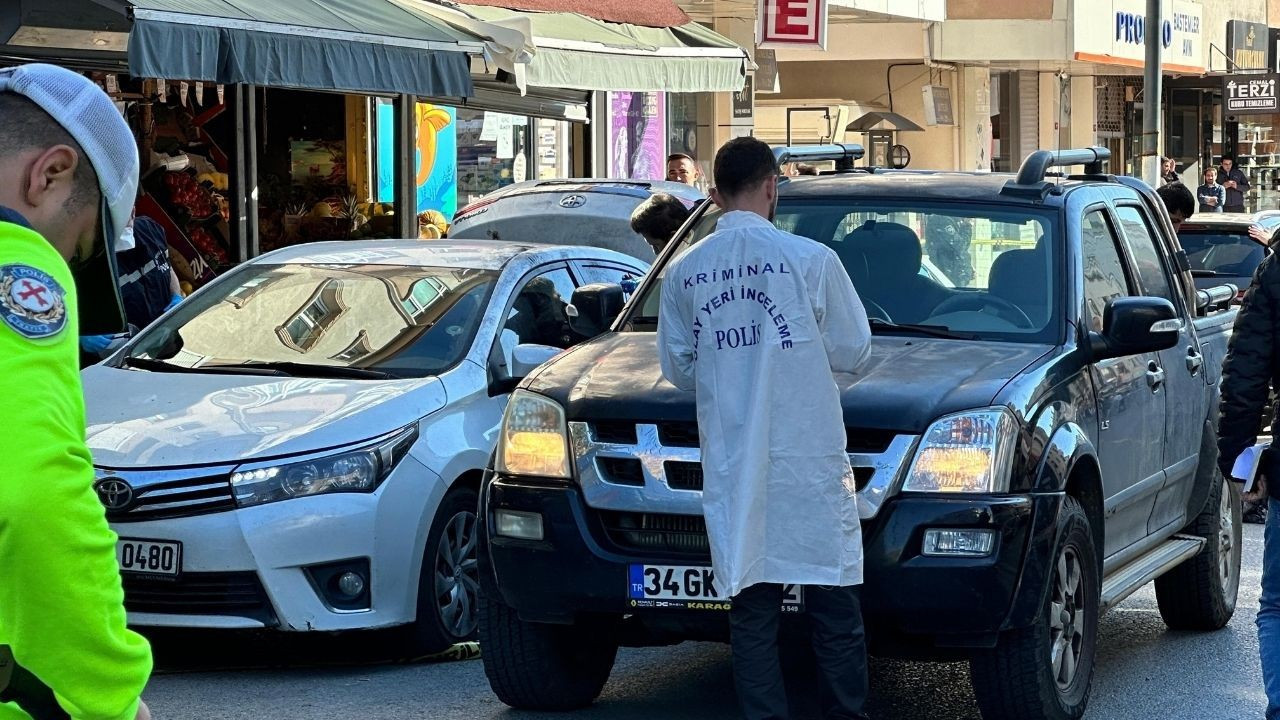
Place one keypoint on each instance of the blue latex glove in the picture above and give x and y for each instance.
(629, 284)
(95, 344)
(173, 302)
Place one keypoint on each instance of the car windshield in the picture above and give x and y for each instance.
(401, 321)
(971, 270)
(1222, 252)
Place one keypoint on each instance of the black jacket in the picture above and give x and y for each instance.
(1252, 365)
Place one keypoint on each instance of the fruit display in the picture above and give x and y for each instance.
(208, 246)
(187, 194)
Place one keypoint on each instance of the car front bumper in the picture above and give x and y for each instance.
(909, 600)
(255, 567)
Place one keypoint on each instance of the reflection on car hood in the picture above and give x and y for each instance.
(143, 419)
(907, 384)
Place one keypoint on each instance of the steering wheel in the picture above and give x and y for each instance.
(1004, 309)
(875, 311)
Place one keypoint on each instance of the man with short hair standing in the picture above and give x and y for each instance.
(681, 168)
(1237, 184)
(757, 321)
(68, 177)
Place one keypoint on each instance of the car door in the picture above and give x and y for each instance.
(1182, 366)
(1130, 403)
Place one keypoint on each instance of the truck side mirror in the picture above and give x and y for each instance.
(595, 307)
(1135, 325)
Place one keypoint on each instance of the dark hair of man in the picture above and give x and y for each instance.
(27, 126)
(741, 165)
(1177, 197)
(806, 169)
(659, 217)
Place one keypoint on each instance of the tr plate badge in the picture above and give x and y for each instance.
(31, 302)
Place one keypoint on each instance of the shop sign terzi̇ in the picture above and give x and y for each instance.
(1114, 32)
(1250, 94)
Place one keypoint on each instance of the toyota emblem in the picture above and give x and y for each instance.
(115, 494)
(573, 201)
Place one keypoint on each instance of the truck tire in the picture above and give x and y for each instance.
(1200, 594)
(1045, 671)
(537, 666)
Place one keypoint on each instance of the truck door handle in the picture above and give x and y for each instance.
(1155, 375)
(1195, 360)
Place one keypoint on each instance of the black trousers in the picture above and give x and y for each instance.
(1233, 208)
(839, 644)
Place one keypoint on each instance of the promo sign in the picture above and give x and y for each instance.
(792, 23)
(1250, 94)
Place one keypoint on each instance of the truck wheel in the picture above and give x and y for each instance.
(1200, 594)
(449, 582)
(1044, 671)
(537, 666)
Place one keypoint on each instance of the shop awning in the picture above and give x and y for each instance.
(349, 45)
(573, 51)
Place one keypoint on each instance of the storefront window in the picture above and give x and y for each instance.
(637, 138)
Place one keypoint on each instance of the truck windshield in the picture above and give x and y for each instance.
(399, 321)
(978, 271)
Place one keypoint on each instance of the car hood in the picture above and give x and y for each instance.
(907, 383)
(155, 420)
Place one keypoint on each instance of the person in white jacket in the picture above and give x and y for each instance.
(756, 321)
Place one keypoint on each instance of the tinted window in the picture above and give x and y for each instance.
(404, 320)
(1104, 275)
(595, 273)
(1145, 254)
(537, 315)
(1230, 254)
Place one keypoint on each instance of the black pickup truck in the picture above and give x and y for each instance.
(1033, 440)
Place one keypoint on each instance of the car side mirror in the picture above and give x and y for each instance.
(595, 307)
(1135, 325)
(529, 357)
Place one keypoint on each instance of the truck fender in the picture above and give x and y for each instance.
(1065, 448)
(1068, 449)
(1206, 472)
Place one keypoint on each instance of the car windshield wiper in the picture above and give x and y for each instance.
(301, 370)
(938, 331)
(155, 365)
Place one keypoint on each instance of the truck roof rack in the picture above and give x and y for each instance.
(1031, 182)
(843, 155)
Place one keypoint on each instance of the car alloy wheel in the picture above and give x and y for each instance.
(457, 579)
(1227, 567)
(1066, 617)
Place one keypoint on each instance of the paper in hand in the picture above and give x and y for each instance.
(1247, 464)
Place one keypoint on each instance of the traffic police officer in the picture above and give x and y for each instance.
(68, 177)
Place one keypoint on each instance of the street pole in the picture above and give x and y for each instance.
(1151, 95)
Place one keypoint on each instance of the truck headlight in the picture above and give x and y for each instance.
(534, 438)
(359, 470)
(966, 452)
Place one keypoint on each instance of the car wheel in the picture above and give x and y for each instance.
(538, 666)
(1200, 594)
(1045, 671)
(449, 585)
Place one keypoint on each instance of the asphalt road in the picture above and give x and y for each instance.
(1144, 671)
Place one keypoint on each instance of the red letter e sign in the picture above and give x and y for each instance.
(793, 23)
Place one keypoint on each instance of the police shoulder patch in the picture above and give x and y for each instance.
(32, 303)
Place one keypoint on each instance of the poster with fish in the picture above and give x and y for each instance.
(436, 169)
(637, 135)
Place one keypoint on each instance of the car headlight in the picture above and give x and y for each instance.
(534, 439)
(361, 470)
(966, 452)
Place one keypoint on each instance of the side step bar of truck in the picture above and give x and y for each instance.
(1162, 558)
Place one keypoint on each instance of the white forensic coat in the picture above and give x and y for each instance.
(756, 320)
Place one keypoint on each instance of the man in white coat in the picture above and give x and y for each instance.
(757, 321)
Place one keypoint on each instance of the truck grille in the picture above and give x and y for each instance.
(652, 532)
(158, 495)
(238, 594)
(655, 467)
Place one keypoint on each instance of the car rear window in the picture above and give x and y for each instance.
(1222, 252)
